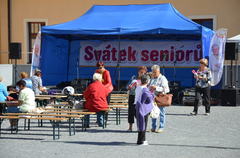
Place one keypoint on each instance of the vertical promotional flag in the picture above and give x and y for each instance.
(36, 54)
(216, 55)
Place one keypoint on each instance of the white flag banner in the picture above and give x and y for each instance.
(36, 53)
(216, 55)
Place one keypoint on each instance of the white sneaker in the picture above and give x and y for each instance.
(145, 143)
(160, 130)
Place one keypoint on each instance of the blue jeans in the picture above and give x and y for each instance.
(162, 119)
(13, 109)
(99, 119)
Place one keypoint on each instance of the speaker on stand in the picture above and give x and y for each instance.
(231, 96)
(231, 53)
(231, 50)
(15, 52)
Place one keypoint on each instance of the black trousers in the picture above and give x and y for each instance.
(108, 101)
(1, 109)
(205, 92)
(108, 98)
(131, 109)
(142, 134)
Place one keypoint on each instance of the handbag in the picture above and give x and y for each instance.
(155, 111)
(163, 99)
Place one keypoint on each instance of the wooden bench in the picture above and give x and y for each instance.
(42, 101)
(50, 97)
(71, 119)
(62, 107)
(59, 106)
(118, 112)
(118, 102)
(80, 112)
(55, 122)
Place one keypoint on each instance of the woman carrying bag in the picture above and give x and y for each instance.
(144, 106)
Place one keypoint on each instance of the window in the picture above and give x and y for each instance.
(205, 22)
(33, 29)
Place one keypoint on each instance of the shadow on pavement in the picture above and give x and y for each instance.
(178, 114)
(198, 146)
(108, 131)
(95, 143)
(182, 114)
(21, 138)
(31, 134)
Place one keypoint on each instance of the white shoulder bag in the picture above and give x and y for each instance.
(155, 111)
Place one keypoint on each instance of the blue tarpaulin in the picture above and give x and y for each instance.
(61, 43)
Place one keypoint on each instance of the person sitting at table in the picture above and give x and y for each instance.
(24, 76)
(37, 83)
(3, 93)
(26, 102)
(96, 99)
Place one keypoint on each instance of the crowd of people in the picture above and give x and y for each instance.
(142, 90)
(147, 85)
(33, 83)
(23, 95)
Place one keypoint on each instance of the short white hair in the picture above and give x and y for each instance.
(97, 76)
(155, 67)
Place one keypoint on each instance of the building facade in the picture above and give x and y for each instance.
(22, 19)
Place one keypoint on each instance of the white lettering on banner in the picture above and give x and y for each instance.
(135, 53)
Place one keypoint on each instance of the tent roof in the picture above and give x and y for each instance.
(234, 39)
(128, 20)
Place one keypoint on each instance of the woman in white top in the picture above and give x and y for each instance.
(26, 102)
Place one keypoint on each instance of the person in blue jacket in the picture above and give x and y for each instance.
(24, 76)
(3, 94)
(3, 91)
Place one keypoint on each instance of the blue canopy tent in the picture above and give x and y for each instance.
(61, 43)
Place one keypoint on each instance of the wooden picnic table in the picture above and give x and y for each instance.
(75, 94)
(55, 122)
(51, 96)
(41, 98)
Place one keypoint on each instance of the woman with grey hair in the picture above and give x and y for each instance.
(96, 98)
(158, 84)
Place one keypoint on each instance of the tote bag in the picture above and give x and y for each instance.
(163, 99)
(155, 111)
